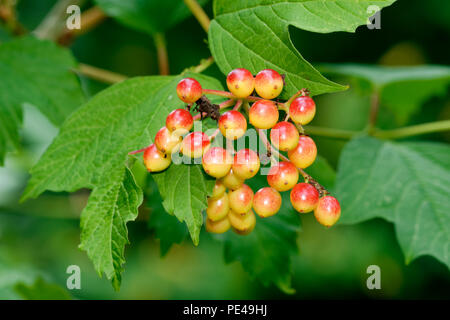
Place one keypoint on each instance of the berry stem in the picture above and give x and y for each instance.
(215, 133)
(137, 151)
(238, 105)
(198, 13)
(227, 94)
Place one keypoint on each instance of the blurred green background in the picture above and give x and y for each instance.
(39, 239)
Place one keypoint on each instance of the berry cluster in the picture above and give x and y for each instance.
(233, 203)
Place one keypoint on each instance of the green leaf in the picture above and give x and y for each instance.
(322, 172)
(254, 35)
(405, 183)
(91, 151)
(184, 189)
(41, 290)
(401, 89)
(150, 16)
(168, 229)
(34, 72)
(266, 253)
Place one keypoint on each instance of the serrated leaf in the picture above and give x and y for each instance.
(91, 152)
(254, 35)
(266, 252)
(150, 16)
(401, 89)
(36, 72)
(405, 183)
(168, 229)
(184, 189)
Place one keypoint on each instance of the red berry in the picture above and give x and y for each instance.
(284, 136)
(242, 224)
(263, 114)
(195, 144)
(217, 162)
(304, 154)
(304, 197)
(327, 211)
(302, 110)
(241, 82)
(218, 208)
(189, 90)
(241, 199)
(232, 181)
(166, 141)
(232, 124)
(283, 176)
(179, 121)
(268, 84)
(266, 202)
(155, 160)
(219, 226)
(246, 163)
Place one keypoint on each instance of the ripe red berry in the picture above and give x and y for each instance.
(155, 160)
(218, 190)
(232, 124)
(166, 141)
(302, 110)
(189, 90)
(266, 202)
(304, 154)
(217, 162)
(304, 197)
(241, 199)
(240, 82)
(268, 84)
(179, 121)
(219, 226)
(263, 114)
(283, 176)
(218, 208)
(242, 224)
(246, 163)
(284, 136)
(327, 211)
(195, 144)
(232, 181)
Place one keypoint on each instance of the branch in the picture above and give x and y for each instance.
(373, 113)
(198, 13)
(202, 66)
(437, 126)
(163, 58)
(99, 74)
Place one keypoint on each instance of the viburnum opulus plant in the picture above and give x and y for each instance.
(233, 203)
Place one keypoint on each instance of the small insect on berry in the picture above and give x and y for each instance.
(283, 177)
(195, 144)
(241, 199)
(268, 84)
(304, 154)
(304, 197)
(266, 202)
(327, 211)
(263, 114)
(179, 121)
(240, 82)
(302, 110)
(232, 124)
(155, 160)
(246, 163)
(219, 226)
(242, 224)
(218, 208)
(189, 90)
(217, 162)
(284, 136)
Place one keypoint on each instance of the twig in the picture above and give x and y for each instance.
(431, 127)
(99, 74)
(373, 113)
(202, 66)
(198, 13)
(163, 58)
